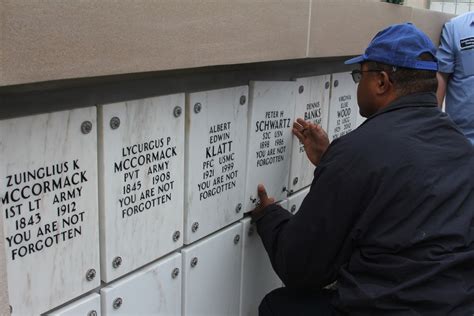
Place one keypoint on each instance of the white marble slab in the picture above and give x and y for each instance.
(284, 204)
(343, 106)
(312, 104)
(48, 192)
(141, 168)
(86, 306)
(216, 144)
(153, 290)
(294, 201)
(212, 273)
(271, 108)
(258, 277)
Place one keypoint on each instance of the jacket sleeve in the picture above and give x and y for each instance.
(306, 250)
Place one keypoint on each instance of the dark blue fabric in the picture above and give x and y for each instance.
(389, 216)
(287, 302)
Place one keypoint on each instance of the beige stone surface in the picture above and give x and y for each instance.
(57, 39)
(431, 22)
(341, 27)
(43, 40)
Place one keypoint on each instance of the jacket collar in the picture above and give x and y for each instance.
(422, 99)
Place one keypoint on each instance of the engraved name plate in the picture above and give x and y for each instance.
(48, 192)
(141, 168)
(343, 106)
(271, 113)
(312, 104)
(215, 160)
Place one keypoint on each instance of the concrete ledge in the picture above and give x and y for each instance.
(431, 22)
(341, 28)
(52, 39)
(45, 40)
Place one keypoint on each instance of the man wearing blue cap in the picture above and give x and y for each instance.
(390, 213)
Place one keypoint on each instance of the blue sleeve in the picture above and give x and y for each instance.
(446, 50)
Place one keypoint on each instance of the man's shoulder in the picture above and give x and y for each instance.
(462, 19)
(365, 139)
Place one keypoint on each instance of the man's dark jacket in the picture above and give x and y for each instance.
(390, 216)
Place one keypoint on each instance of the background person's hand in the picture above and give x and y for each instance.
(314, 139)
(264, 201)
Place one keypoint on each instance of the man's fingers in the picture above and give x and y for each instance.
(297, 125)
(300, 127)
(303, 123)
(298, 134)
(317, 131)
(262, 193)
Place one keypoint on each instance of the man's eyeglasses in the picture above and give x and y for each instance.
(357, 74)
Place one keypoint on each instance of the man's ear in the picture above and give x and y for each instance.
(383, 82)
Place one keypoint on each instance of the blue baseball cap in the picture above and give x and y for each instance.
(399, 45)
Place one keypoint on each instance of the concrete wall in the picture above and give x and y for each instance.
(54, 40)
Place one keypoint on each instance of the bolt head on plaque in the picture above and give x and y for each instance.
(114, 122)
(195, 227)
(293, 209)
(197, 108)
(236, 239)
(295, 180)
(177, 111)
(301, 89)
(326, 85)
(90, 275)
(86, 127)
(336, 83)
(117, 262)
(243, 99)
(176, 235)
(238, 208)
(117, 303)
(175, 273)
(194, 262)
(92, 313)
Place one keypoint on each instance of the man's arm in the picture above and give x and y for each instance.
(307, 250)
(442, 84)
(446, 61)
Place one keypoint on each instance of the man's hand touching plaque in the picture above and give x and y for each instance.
(314, 139)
